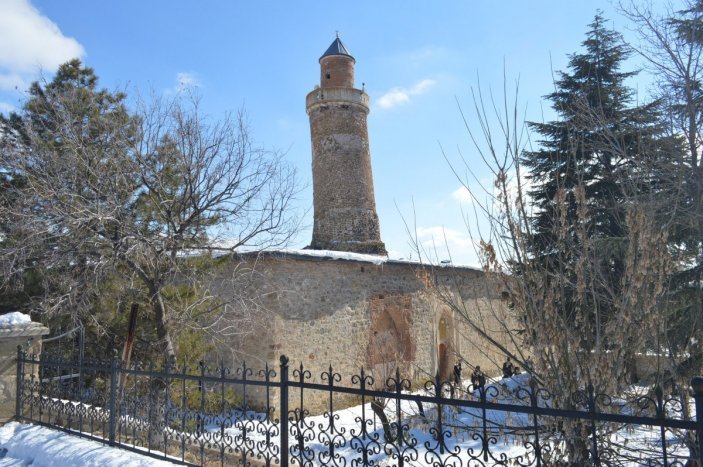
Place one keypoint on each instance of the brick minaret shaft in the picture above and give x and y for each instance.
(345, 209)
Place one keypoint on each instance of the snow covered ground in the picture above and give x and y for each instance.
(39, 447)
(630, 445)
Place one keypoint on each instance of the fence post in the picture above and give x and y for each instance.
(284, 410)
(20, 379)
(697, 385)
(113, 395)
(594, 433)
(438, 395)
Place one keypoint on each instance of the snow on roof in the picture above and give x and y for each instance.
(345, 255)
(349, 256)
(14, 318)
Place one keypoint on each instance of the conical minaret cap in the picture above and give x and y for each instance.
(337, 48)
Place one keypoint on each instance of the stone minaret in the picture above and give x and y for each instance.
(345, 209)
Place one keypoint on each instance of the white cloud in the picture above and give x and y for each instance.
(422, 86)
(6, 108)
(400, 95)
(439, 234)
(439, 243)
(396, 254)
(428, 56)
(12, 81)
(29, 43)
(186, 80)
(462, 195)
(425, 54)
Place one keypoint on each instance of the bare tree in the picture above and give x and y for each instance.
(672, 47)
(582, 304)
(558, 334)
(153, 198)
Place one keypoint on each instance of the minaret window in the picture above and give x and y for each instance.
(327, 76)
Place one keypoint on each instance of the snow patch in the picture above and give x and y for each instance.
(14, 318)
(36, 445)
(375, 259)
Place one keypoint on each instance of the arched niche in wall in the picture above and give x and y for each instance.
(390, 342)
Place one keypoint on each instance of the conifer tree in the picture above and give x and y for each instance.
(145, 196)
(672, 47)
(594, 160)
(583, 260)
(88, 132)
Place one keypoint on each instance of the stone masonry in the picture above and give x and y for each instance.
(345, 216)
(352, 310)
(29, 337)
(350, 313)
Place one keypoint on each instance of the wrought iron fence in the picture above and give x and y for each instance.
(208, 416)
(70, 343)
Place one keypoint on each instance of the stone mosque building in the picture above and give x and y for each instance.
(341, 301)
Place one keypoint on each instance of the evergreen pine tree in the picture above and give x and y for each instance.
(584, 177)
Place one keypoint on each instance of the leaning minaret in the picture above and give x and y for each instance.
(345, 209)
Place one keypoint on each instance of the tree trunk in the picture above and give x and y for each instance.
(421, 409)
(164, 341)
(158, 385)
(377, 407)
(577, 446)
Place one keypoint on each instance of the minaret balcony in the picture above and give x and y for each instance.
(322, 96)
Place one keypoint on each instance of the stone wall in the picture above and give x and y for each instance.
(29, 336)
(345, 210)
(337, 71)
(353, 313)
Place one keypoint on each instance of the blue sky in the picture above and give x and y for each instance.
(417, 58)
